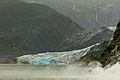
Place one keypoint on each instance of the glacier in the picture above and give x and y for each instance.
(58, 58)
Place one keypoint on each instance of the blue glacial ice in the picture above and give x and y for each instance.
(48, 59)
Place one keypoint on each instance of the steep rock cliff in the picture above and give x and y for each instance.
(111, 54)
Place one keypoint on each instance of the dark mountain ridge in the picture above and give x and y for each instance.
(27, 28)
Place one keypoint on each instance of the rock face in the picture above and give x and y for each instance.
(27, 28)
(111, 54)
(94, 53)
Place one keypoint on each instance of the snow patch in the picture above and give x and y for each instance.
(112, 28)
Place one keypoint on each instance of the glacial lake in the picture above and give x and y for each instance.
(55, 72)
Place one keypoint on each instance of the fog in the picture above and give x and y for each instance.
(58, 72)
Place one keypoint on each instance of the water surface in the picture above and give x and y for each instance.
(57, 72)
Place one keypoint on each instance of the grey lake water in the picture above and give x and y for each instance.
(57, 72)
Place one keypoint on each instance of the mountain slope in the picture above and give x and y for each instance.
(88, 38)
(27, 28)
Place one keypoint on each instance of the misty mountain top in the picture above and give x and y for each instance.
(87, 13)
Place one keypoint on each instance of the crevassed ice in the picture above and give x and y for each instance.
(54, 57)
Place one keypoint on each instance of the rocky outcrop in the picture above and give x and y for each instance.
(94, 53)
(111, 54)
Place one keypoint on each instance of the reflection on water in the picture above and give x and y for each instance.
(57, 72)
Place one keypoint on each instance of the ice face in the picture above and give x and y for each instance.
(48, 59)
